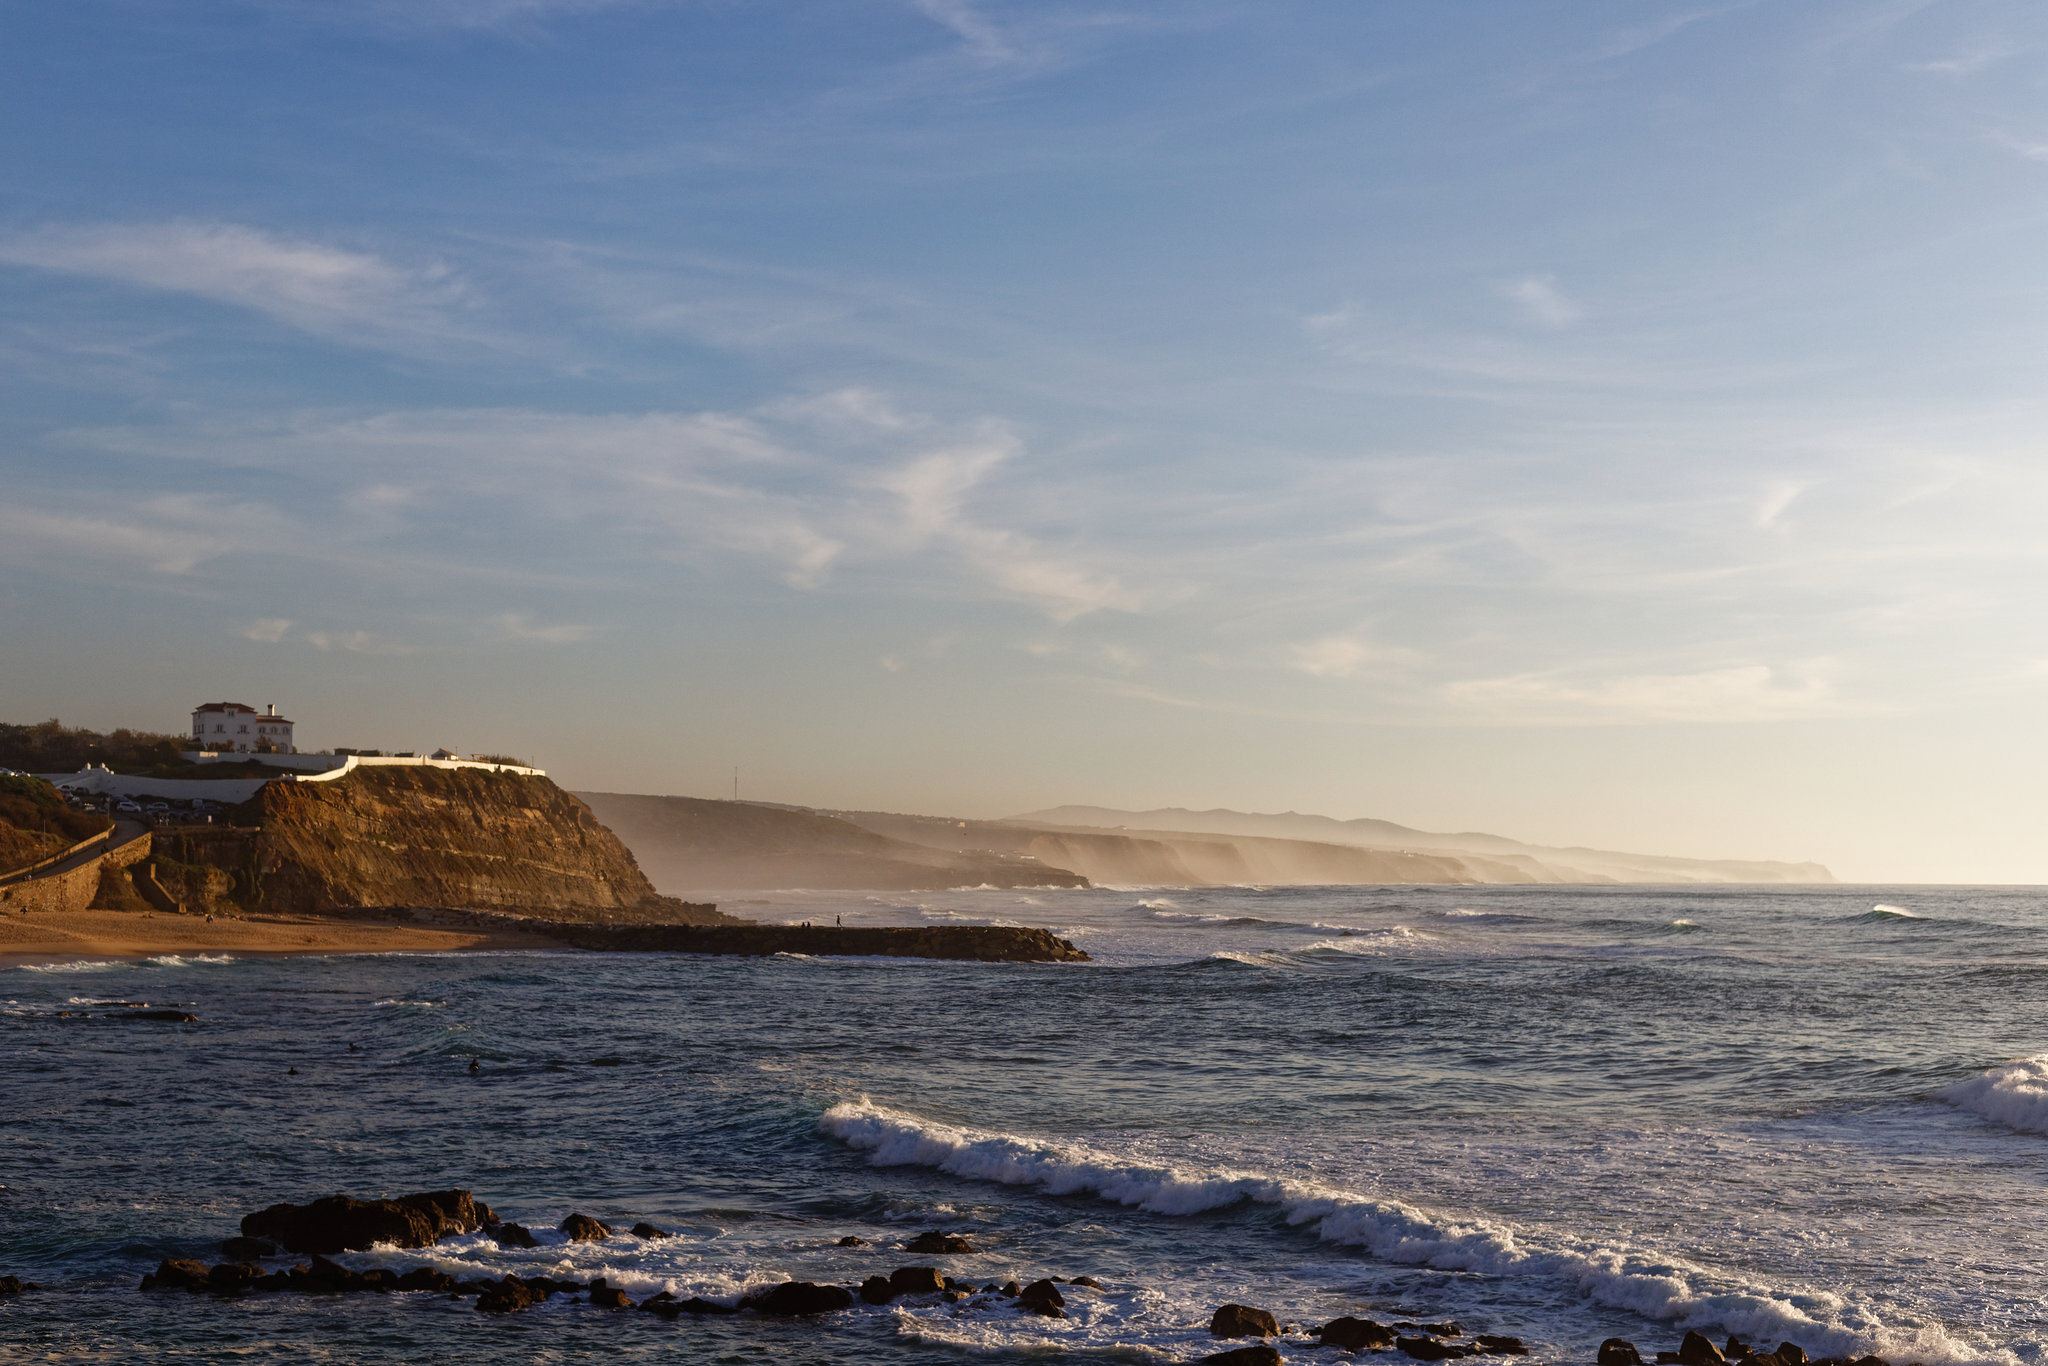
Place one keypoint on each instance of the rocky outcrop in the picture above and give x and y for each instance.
(947, 1244)
(1260, 1355)
(466, 838)
(973, 943)
(1357, 1335)
(340, 1223)
(581, 1228)
(1243, 1321)
(798, 1299)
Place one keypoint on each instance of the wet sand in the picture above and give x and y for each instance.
(135, 934)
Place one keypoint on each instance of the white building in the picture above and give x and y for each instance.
(230, 727)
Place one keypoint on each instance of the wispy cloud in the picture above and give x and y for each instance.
(269, 630)
(358, 643)
(518, 626)
(329, 291)
(1746, 693)
(1542, 300)
(877, 491)
(1349, 655)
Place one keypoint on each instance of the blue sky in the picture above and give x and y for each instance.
(1599, 423)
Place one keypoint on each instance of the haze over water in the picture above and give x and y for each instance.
(1560, 1113)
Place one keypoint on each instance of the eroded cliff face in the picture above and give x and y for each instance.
(443, 837)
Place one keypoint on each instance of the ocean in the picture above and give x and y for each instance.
(1564, 1114)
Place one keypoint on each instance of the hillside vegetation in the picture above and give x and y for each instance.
(53, 747)
(35, 823)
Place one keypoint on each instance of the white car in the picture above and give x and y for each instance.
(127, 808)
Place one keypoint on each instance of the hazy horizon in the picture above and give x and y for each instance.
(1605, 424)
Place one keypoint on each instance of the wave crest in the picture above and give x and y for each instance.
(1661, 1288)
(2015, 1095)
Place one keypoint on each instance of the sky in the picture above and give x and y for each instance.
(1607, 423)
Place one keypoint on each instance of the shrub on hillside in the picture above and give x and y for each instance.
(33, 805)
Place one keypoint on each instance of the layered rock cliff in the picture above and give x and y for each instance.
(445, 837)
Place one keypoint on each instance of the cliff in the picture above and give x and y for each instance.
(440, 837)
(1485, 858)
(687, 844)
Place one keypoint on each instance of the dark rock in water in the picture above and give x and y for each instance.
(229, 1277)
(1010, 1288)
(606, 1297)
(851, 1241)
(177, 1273)
(794, 1299)
(512, 1235)
(1737, 1348)
(340, 1223)
(915, 1280)
(325, 1277)
(1088, 1281)
(949, 1244)
(1871, 1360)
(1791, 1353)
(163, 1016)
(426, 1278)
(1357, 1335)
(668, 1306)
(875, 1290)
(581, 1228)
(1501, 1346)
(1698, 1350)
(10, 1286)
(509, 1296)
(1243, 1321)
(1619, 1352)
(1043, 1298)
(1667, 1359)
(649, 1231)
(247, 1249)
(1431, 1349)
(1260, 1355)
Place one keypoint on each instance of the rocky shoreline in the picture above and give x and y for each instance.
(336, 1224)
(966, 943)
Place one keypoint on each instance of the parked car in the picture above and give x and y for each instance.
(127, 808)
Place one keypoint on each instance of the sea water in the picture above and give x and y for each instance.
(1559, 1113)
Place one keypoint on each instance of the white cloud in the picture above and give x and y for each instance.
(1542, 300)
(358, 643)
(1780, 497)
(1738, 694)
(1347, 656)
(326, 290)
(269, 630)
(518, 626)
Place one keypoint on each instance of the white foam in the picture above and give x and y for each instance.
(172, 960)
(82, 965)
(1637, 1280)
(2015, 1095)
(1898, 912)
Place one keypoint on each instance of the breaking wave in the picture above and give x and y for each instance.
(1656, 1287)
(2015, 1095)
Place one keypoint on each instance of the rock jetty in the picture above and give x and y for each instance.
(970, 943)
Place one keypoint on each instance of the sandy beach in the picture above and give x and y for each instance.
(134, 934)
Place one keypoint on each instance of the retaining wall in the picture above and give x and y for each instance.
(73, 889)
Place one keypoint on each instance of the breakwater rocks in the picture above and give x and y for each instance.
(971, 943)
